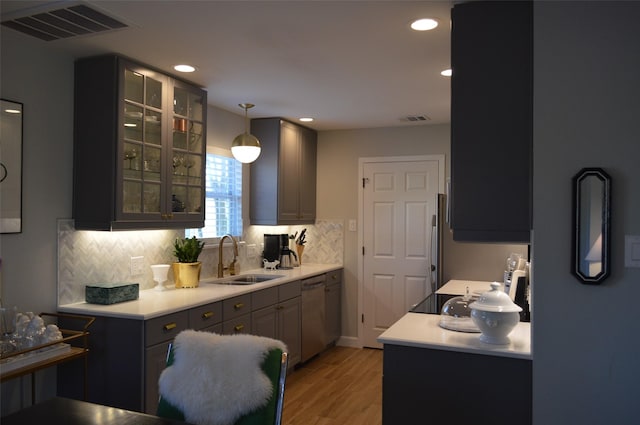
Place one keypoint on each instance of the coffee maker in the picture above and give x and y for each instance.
(276, 247)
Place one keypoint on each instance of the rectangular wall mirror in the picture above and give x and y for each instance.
(11, 167)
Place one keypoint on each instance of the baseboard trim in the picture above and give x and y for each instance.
(349, 341)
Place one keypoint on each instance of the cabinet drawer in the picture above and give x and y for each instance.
(205, 316)
(238, 325)
(334, 276)
(216, 329)
(264, 298)
(236, 306)
(289, 290)
(165, 328)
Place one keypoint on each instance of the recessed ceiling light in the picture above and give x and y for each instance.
(184, 68)
(424, 24)
(446, 73)
(12, 111)
(306, 119)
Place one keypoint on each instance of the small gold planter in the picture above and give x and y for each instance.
(187, 275)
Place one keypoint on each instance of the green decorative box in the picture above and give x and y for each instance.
(111, 293)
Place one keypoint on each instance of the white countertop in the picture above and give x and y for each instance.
(459, 287)
(152, 303)
(422, 331)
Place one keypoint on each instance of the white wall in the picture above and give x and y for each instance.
(586, 339)
(42, 79)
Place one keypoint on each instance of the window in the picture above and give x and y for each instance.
(223, 196)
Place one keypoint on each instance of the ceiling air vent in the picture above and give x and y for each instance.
(66, 22)
(415, 118)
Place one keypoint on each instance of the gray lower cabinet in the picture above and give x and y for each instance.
(205, 318)
(159, 333)
(276, 314)
(333, 307)
(421, 385)
(126, 357)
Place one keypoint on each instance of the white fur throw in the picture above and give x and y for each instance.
(215, 379)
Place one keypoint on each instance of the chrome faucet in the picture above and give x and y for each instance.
(233, 267)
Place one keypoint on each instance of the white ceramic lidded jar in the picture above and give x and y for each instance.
(495, 315)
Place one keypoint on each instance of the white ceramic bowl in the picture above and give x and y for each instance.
(495, 325)
(495, 315)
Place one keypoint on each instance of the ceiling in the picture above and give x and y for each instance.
(349, 64)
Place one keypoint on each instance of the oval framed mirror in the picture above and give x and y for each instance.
(591, 225)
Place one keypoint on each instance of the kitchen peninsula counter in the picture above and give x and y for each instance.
(453, 377)
(152, 303)
(422, 331)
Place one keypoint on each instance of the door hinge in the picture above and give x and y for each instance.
(363, 251)
(365, 180)
(362, 318)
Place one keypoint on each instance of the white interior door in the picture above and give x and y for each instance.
(399, 199)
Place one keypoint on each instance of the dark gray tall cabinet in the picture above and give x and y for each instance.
(139, 147)
(283, 178)
(491, 121)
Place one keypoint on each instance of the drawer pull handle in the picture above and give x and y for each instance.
(238, 306)
(207, 315)
(280, 307)
(170, 326)
(238, 328)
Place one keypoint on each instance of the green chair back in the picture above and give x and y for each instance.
(274, 366)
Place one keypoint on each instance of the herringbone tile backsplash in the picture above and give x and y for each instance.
(88, 257)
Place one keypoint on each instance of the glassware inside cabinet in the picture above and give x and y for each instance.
(151, 163)
(132, 160)
(195, 137)
(179, 169)
(193, 165)
(178, 198)
(133, 122)
(179, 136)
(152, 127)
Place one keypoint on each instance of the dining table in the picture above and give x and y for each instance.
(67, 411)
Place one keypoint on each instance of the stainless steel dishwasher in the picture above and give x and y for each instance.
(313, 316)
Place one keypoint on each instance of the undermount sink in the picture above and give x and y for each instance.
(249, 279)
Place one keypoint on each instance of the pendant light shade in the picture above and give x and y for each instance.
(245, 147)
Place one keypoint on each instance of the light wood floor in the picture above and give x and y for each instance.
(340, 386)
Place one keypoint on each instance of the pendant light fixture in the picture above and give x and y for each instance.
(245, 147)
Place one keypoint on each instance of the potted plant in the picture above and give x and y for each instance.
(186, 272)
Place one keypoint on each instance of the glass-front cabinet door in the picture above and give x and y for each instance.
(187, 151)
(163, 145)
(142, 145)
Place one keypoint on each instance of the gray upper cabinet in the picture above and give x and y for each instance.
(283, 178)
(491, 121)
(139, 147)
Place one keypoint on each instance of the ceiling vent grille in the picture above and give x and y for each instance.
(65, 22)
(415, 118)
